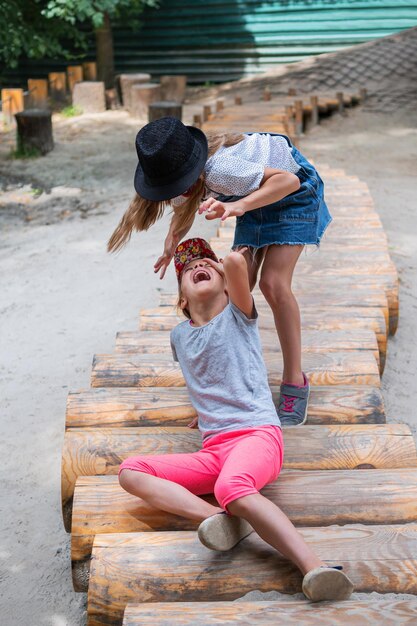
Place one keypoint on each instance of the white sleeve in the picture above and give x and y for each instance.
(232, 176)
(174, 352)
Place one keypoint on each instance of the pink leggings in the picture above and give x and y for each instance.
(230, 465)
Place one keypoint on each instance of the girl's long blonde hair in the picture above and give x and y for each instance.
(142, 214)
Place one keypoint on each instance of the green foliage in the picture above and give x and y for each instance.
(25, 153)
(51, 28)
(71, 111)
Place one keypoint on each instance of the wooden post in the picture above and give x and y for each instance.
(141, 97)
(173, 87)
(89, 96)
(90, 70)
(267, 94)
(314, 110)
(197, 120)
(58, 86)
(219, 105)
(341, 108)
(238, 100)
(156, 110)
(38, 93)
(363, 94)
(206, 111)
(34, 131)
(298, 117)
(125, 83)
(292, 91)
(12, 103)
(75, 75)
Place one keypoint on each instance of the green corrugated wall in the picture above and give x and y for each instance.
(219, 40)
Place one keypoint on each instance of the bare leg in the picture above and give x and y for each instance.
(274, 527)
(275, 284)
(254, 262)
(166, 495)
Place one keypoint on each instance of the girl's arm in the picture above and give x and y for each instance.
(234, 269)
(275, 185)
(173, 238)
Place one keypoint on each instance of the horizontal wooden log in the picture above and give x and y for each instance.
(307, 498)
(389, 612)
(330, 318)
(99, 451)
(147, 406)
(333, 368)
(158, 342)
(139, 567)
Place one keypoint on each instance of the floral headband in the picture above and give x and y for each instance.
(189, 250)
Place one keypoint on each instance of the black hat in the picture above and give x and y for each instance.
(171, 158)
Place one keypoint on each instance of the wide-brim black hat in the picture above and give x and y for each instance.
(171, 158)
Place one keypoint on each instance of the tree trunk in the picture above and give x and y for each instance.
(34, 131)
(105, 53)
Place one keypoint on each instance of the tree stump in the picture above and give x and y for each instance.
(125, 82)
(75, 75)
(141, 96)
(34, 131)
(38, 93)
(173, 87)
(58, 86)
(90, 70)
(89, 96)
(156, 110)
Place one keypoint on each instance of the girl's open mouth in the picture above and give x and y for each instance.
(201, 275)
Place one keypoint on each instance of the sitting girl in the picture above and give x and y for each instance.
(218, 348)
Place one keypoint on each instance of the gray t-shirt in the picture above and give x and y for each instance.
(225, 372)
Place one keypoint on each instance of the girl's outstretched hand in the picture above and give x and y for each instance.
(193, 423)
(214, 209)
(165, 259)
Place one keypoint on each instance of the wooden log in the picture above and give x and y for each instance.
(74, 75)
(138, 567)
(389, 612)
(90, 70)
(206, 112)
(340, 99)
(125, 82)
(58, 86)
(267, 94)
(173, 87)
(149, 406)
(299, 117)
(307, 498)
(333, 318)
(144, 342)
(314, 110)
(333, 368)
(38, 93)
(141, 96)
(156, 110)
(99, 451)
(219, 105)
(89, 96)
(12, 102)
(238, 100)
(197, 120)
(34, 131)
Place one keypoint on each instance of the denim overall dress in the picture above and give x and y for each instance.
(298, 219)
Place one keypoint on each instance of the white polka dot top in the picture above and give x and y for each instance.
(238, 170)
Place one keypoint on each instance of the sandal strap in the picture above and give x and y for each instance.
(292, 390)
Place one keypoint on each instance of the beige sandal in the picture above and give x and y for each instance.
(222, 532)
(327, 583)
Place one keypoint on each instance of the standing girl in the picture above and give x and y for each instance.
(276, 196)
(219, 351)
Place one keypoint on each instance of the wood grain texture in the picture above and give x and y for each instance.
(160, 406)
(138, 567)
(390, 612)
(99, 451)
(308, 498)
(158, 342)
(331, 368)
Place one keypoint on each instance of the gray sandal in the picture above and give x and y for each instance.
(222, 531)
(327, 583)
(293, 403)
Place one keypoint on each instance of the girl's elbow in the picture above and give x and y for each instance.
(294, 182)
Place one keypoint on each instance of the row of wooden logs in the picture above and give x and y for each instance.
(144, 566)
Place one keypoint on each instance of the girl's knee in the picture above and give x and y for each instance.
(275, 289)
(230, 489)
(131, 470)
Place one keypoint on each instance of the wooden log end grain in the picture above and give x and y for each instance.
(34, 131)
(169, 108)
(173, 87)
(89, 96)
(141, 96)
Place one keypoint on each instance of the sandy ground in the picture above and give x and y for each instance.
(63, 298)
